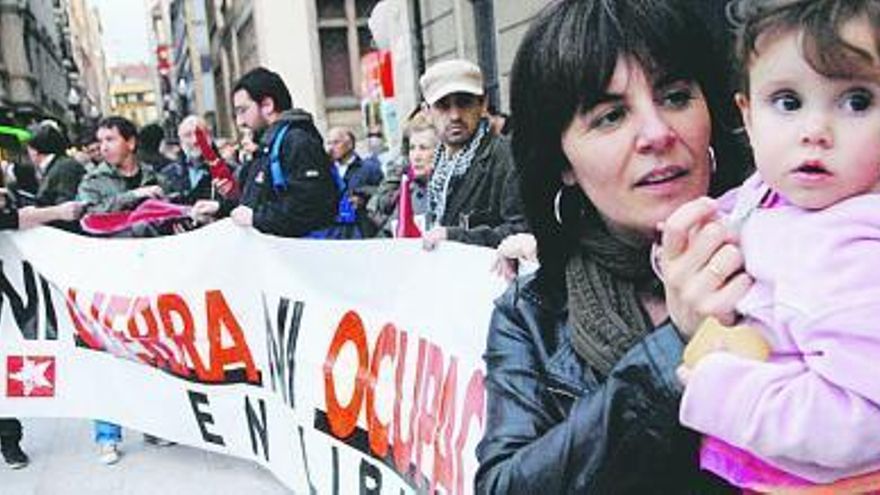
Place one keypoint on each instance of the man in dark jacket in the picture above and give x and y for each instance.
(59, 175)
(189, 178)
(357, 180)
(473, 195)
(149, 141)
(295, 196)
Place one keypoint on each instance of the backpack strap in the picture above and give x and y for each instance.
(279, 181)
(345, 211)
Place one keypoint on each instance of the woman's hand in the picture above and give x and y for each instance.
(512, 250)
(702, 267)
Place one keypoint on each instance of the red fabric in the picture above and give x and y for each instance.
(219, 169)
(150, 211)
(406, 225)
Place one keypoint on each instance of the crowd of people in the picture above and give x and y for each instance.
(668, 342)
(285, 180)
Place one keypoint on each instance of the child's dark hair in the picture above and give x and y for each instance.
(819, 21)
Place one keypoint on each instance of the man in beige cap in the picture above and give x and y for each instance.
(473, 196)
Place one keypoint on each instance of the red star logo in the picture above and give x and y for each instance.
(30, 376)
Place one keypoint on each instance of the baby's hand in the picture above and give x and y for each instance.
(712, 336)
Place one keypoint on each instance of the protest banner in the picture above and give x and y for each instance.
(341, 366)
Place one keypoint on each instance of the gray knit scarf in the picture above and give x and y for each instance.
(604, 280)
(447, 167)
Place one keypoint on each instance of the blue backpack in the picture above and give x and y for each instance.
(346, 215)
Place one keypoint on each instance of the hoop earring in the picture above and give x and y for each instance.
(557, 202)
(713, 164)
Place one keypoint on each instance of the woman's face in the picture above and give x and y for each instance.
(642, 151)
(421, 152)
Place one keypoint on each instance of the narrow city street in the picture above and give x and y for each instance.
(64, 461)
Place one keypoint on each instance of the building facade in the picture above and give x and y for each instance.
(132, 93)
(89, 80)
(34, 76)
(191, 59)
(317, 47)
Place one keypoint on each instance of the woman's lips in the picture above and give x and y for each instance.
(662, 175)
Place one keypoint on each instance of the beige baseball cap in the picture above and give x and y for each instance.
(451, 76)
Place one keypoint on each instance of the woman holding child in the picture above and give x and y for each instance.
(615, 129)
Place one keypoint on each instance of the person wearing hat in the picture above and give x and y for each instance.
(473, 196)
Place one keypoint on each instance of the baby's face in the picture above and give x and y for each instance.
(816, 140)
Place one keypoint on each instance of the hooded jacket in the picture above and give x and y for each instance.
(308, 202)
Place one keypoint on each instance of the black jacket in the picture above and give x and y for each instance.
(180, 189)
(484, 205)
(60, 181)
(308, 203)
(554, 426)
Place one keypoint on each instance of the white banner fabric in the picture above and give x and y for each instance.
(342, 366)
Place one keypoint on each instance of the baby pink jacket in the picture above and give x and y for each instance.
(813, 409)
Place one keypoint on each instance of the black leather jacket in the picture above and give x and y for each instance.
(553, 426)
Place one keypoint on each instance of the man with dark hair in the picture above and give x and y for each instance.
(58, 175)
(287, 189)
(120, 182)
(356, 179)
(473, 195)
(149, 141)
(88, 152)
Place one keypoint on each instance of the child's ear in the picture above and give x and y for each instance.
(745, 110)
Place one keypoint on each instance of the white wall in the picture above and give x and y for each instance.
(288, 45)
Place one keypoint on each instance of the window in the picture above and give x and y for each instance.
(336, 62)
(344, 38)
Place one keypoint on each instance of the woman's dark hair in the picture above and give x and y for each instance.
(262, 83)
(821, 22)
(48, 140)
(565, 63)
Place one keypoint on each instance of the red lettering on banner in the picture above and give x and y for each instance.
(444, 470)
(183, 337)
(343, 420)
(474, 407)
(428, 415)
(433, 418)
(140, 339)
(220, 317)
(155, 352)
(84, 335)
(385, 347)
(403, 448)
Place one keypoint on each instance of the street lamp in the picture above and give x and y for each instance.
(73, 102)
(183, 94)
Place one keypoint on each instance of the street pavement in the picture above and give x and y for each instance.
(64, 460)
